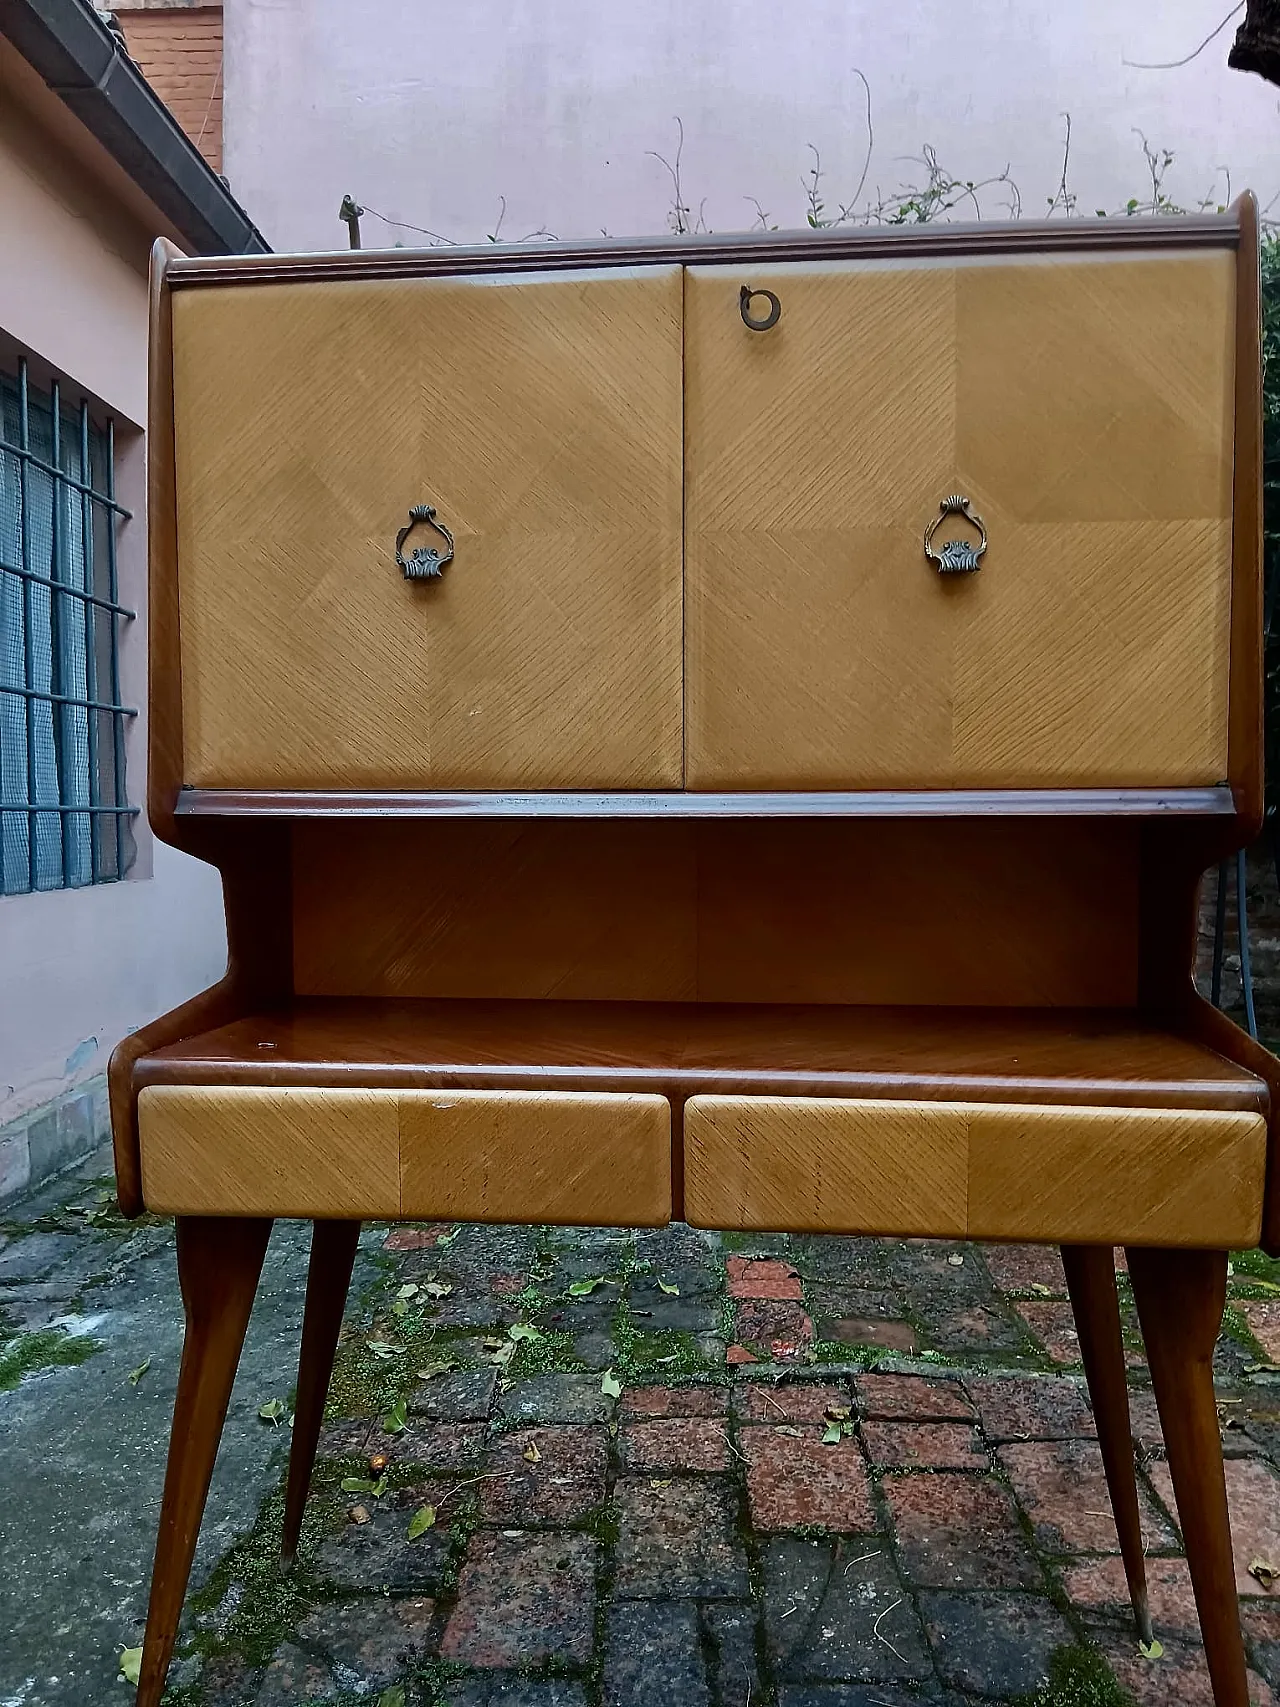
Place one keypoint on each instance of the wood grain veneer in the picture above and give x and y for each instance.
(1085, 408)
(683, 1049)
(542, 419)
(966, 911)
(565, 1157)
(1098, 1175)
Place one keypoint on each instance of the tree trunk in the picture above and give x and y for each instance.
(1257, 43)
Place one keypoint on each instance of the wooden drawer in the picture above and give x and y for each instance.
(1083, 404)
(526, 1156)
(979, 1170)
(541, 417)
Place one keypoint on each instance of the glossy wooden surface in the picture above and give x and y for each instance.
(542, 419)
(1095, 1306)
(219, 1263)
(1091, 649)
(1180, 1297)
(683, 1049)
(967, 912)
(962, 1169)
(1247, 701)
(378, 1153)
(333, 1254)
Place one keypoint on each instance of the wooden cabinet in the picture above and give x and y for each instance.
(540, 417)
(483, 964)
(1084, 407)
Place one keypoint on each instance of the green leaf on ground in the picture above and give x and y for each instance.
(523, 1331)
(274, 1411)
(671, 1290)
(396, 1417)
(422, 1520)
(610, 1386)
(584, 1288)
(362, 1485)
(135, 1375)
(832, 1435)
(1152, 1650)
(409, 1290)
(131, 1664)
(384, 1348)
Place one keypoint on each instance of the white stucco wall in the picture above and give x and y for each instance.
(431, 111)
(80, 968)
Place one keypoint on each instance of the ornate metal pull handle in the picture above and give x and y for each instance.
(958, 556)
(425, 562)
(745, 297)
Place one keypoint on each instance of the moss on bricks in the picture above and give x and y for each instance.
(1079, 1677)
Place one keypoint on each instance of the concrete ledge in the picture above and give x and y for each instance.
(49, 1140)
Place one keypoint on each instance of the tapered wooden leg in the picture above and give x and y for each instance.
(219, 1262)
(1180, 1297)
(333, 1255)
(1091, 1282)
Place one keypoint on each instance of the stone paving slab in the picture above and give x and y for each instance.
(661, 1467)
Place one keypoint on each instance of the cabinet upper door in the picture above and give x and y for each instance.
(1082, 405)
(540, 416)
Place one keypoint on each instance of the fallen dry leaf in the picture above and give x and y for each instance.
(359, 1514)
(1264, 1571)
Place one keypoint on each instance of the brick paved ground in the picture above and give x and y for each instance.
(835, 1473)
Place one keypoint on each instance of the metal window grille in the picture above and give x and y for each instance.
(64, 817)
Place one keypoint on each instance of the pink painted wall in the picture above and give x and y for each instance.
(80, 968)
(431, 111)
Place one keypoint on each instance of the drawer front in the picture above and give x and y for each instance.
(1083, 406)
(1056, 1174)
(541, 418)
(528, 1156)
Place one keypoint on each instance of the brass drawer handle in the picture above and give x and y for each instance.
(958, 556)
(425, 562)
(745, 297)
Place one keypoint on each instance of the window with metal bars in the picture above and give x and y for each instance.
(64, 817)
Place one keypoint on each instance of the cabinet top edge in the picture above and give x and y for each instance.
(1185, 231)
(923, 803)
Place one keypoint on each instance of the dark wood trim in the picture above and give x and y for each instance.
(164, 683)
(901, 803)
(1245, 726)
(898, 243)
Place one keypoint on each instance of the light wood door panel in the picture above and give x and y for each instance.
(532, 1156)
(1084, 407)
(1179, 1177)
(541, 416)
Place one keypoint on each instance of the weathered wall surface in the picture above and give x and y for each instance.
(432, 112)
(80, 968)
